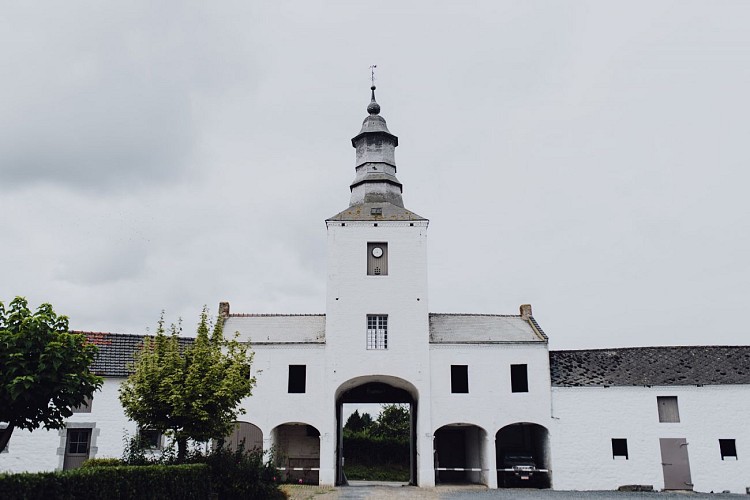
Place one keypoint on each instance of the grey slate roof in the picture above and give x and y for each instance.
(277, 328)
(116, 351)
(363, 212)
(483, 328)
(651, 366)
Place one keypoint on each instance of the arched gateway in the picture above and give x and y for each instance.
(376, 389)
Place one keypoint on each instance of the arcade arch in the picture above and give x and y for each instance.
(376, 389)
(459, 451)
(246, 434)
(297, 451)
(515, 443)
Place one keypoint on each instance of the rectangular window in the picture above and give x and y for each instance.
(2, 428)
(76, 448)
(668, 411)
(85, 407)
(297, 378)
(150, 438)
(519, 378)
(459, 379)
(377, 259)
(619, 448)
(377, 331)
(728, 449)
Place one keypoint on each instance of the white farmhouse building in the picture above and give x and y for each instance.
(481, 386)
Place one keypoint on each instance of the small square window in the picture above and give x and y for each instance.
(297, 378)
(619, 448)
(519, 378)
(2, 428)
(668, 410)
(728, 449)
(85, 407)
(150, 438)
(459, 379)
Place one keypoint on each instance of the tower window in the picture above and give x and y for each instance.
(668, 410)
(519, 378)
(377, 331)
(619, 448)
(459, 379)
(728, 449)
(377, 259)
(297, 378)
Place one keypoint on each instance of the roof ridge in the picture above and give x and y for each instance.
(266, 315)
(477, 314)
(601, 349)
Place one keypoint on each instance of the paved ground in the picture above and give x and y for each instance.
(387, 491)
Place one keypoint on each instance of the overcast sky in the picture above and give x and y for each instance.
(589, 158)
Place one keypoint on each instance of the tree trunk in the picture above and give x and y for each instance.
(181, 449)
(5, 436)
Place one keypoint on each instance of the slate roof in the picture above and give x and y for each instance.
(363, 212)
(483, 328)
(651, 366)
(116, 351)
(277, 328)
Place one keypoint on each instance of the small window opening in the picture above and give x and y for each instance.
(519, 378)
(728, 449)
(459, 379)
(668, 410)
(150, 438)
(377, 332)
(297, 376)
(619, 448)
(376, 211)
(2, 428)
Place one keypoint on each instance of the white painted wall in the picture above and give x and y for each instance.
(42, 450)
(490, 404)
(586, 420)
(402, 295)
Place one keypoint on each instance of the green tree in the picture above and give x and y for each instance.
(358, 423)
(394, 422)
(192, 392)
(44, 369)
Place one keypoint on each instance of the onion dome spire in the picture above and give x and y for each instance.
(373, 108)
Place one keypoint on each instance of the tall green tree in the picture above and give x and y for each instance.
(192, 392)
(44, 369)
(394, 421)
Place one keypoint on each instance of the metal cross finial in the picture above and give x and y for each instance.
(372, 73)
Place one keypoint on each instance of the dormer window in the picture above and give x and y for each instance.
(377, 259)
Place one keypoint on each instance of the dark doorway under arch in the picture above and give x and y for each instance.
(522, 444)
(376, 389)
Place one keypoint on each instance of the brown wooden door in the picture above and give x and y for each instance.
(76, 448)
(675, 464)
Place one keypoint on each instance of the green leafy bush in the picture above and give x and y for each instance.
(102, 462)
(121, 482)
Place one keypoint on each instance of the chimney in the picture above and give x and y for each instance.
(525, 311)
(224, 310)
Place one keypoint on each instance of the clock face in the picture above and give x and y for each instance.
(377, 252)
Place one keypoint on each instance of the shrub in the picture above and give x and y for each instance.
(122, 482)
(102, 462)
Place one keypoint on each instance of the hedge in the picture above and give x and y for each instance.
(117, 483)
(361, 449)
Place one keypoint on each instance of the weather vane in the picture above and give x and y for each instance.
(372, 73)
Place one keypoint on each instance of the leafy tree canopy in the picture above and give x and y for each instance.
(191, 392)
(44, 369)
(394, 421)
(358, 423)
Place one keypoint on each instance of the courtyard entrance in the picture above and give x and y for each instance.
(384, 445)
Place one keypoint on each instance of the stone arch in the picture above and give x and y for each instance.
(248, 435)
(523, 444)
(459, 453)
(296, 447)
(376, 389)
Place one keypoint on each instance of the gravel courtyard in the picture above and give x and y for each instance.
(377, 491)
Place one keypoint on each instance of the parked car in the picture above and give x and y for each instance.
(520, 470)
